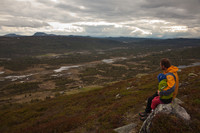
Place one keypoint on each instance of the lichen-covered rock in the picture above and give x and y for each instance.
(172, 108)
(126, 128)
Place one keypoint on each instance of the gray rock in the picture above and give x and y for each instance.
(192, 75)
(117, 96)
(172, 108)
(181, 112)
(126, 129)
(62, 92)
(128, 88)
(177, 101)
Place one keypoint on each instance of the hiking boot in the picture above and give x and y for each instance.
(143, 114)
(143, 118)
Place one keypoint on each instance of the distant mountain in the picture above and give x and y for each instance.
(12, 35)
(43, 34)
(40, 34)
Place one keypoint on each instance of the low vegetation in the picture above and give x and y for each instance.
(19, 88)
(100, 110)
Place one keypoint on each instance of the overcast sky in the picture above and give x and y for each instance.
(133, 18)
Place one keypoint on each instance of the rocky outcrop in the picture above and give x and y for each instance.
(125, 129)
(173, 108)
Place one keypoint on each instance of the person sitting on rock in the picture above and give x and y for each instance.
(169, 92)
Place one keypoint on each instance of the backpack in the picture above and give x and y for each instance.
(171, 94)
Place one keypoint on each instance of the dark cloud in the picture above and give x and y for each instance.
(178, 9)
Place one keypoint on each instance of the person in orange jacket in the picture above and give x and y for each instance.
(170, 91)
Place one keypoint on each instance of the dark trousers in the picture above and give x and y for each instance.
(149, 101)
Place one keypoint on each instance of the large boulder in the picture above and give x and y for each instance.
(172, 108)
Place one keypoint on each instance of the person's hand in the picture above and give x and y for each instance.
(158, 92)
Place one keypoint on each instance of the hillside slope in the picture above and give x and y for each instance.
(102, 109)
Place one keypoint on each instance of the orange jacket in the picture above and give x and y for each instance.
(171, 81)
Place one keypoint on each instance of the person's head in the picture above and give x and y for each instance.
(161, 76)
(165, 64)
